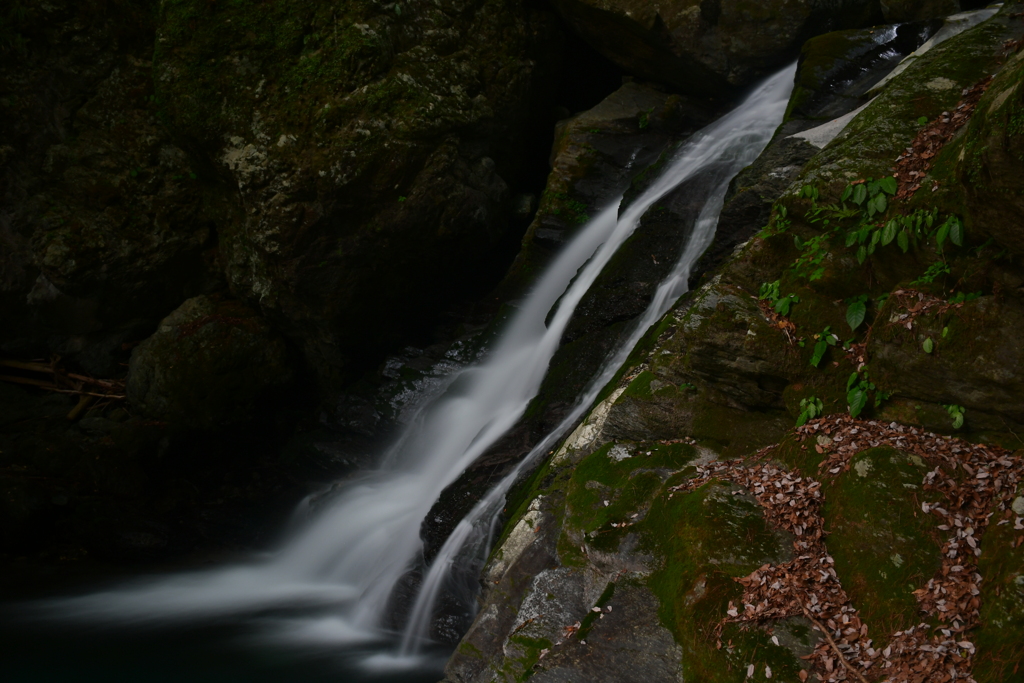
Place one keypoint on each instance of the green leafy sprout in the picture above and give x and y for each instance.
(810, 408)
(825, 339)
(957, 413)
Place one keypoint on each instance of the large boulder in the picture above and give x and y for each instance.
(986, 161)
(708, 47)
(370, 147)
(208, 364)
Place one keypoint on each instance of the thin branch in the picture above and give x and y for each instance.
(828, 637)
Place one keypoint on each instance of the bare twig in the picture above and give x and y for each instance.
(828, 637)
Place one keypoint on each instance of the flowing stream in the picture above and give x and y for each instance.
(331, 583)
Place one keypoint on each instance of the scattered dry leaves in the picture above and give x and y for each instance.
(971, 479)
(913, 164)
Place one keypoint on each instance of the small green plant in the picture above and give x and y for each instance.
(778, 223)
(825, 339)
(812, 254)
(928, 345)
(644, 118)
(769, 291)
(780, 304)
(962, 297)
(810, 408)
(402, 199)
(856, 311)
(858, 389)
(933, 273)
(809, 192)
(784, 304)
(921, 120)
(957, 413)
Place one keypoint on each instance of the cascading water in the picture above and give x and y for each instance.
(717, 154)
(351, 556)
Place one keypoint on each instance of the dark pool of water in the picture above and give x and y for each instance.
(221, 653)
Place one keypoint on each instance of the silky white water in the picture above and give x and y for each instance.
(717, 153)
(350, 557)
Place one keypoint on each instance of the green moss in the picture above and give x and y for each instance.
(797, 455)
(707, 538)
(998, 639)
(734, 433)
(468, 649)
(521, 668)
(605, 491)
(592, 616)
(884, 546)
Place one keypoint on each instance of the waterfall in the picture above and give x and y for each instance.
(344, 565)
(715, 155)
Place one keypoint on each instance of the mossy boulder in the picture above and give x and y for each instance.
(931, 84)
(986, 161)
(884, 546)
(707, 48)
(207, 365)
(371, 147)
(1001, 566)
(976, 351)
(708, 538)
(836, 69)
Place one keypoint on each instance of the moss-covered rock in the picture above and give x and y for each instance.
(1001, 566)
(973, 362)
(987, 161)
(707, 47)
(207, 365)
(883, 545)
(838, 68)
(708, 538)
(931, 84)
(722, 362)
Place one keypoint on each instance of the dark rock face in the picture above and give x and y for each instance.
(371, 150)
(986, 160)
(837, 69)
(207, 365)
(351, 171)
(976, 366)
(106, 225)
(915, 10)
(708, 47)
